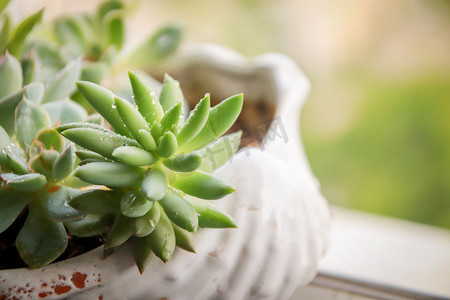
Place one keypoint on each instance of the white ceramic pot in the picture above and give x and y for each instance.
(283, 220)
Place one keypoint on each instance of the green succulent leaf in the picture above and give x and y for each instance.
(171, 117)
(64, 164)
(29, 66)
(134, 156)
(110, 174)
(120, 232)
(146, 140)
(70, 30)
(55, 205)
(18, 36)
(133, 204)
(3, 4)
(141, 253)
(170, 93)
(184, 239)
(221, 118)
(162, 239)
(219, 152)
(30, 118)
(96, 202)
(209, 216)
(94, 71)
(63, 84)
(196, 121)
(5, 30)
(179, 211)
(183, 162)
(26, 183)
(115, 29)
(34, 91)
(42, 163)
(156, 130)
(155, 185)
(5, 140)
(130, 116)
(65, 111)
(161, 44)
(51, 139)
(202, 185)
(145, 225)
(8, 105)
(102, 142)
(103, 101)
(145, 99)
(167, 144)
(12, 204)
(86, 154)
(10, 75)
(91, 225)
(15, 160)
(48, 58)
(107, 7)
(41, 240)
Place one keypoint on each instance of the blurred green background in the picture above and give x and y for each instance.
(377, 124)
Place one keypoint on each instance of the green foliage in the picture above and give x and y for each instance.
(147, 170)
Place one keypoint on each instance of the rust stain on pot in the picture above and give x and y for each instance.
(78, 279)
(62, 289)
(44, 294)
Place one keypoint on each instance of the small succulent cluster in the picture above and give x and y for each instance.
(85, 162)
(151, 160)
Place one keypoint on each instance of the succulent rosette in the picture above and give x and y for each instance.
(152, 166)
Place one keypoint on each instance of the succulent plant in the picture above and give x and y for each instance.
(151, 166)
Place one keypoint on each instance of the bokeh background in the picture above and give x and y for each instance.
(376, 126)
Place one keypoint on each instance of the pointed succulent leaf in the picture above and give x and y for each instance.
(8, 105)
(63, 84)
(18, 36)
(96, 202)
(120, 232)
(10, 75)
(65, 111)
(170, 94)
(15, 159)
(219, 152)
(184, 239)
(69, 30)
(29, 65)
(145, 225)
(12, 204)
(172, 116)
(141, 253)
(86, 154)
(221, 118)
(162, 239)
(167, 144)
(64, 164)
(48, 157)
(130, 116)
(5, 140)
(41, 240)
(26, 183)
(107, 7)
(183, 162)
(160, 45)
(133, 204)
(115, 29)
(92, 125)
(134, 156)
(209, 216)
(202, 185)
(179, 211)
(155, 185)
(99, 141)
(91, 225)
(50, 139)
(34, 91)
(145, 99)
(5, 30)
(196, 121)
(156, 130)
(103, 101)
(55, 205)
(110, 174)
(30, 118)
(146, 140)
